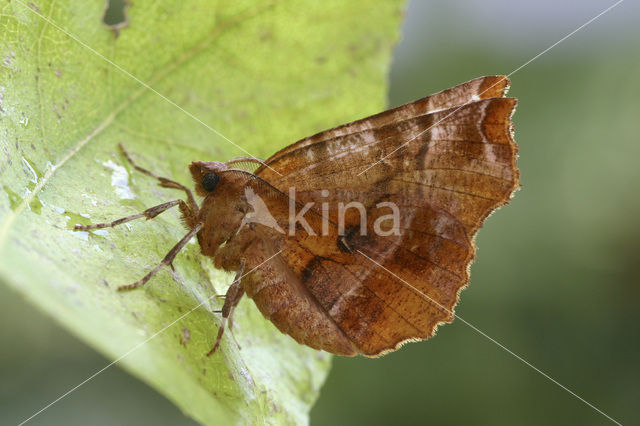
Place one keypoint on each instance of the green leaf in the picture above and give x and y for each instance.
(264, 73)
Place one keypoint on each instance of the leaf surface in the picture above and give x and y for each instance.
(263, 73)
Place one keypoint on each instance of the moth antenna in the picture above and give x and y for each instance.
(249, 162)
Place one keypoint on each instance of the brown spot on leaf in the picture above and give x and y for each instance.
(185, 337)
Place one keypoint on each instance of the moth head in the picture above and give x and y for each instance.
(206, 176)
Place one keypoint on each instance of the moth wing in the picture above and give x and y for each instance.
(324, 291)
(460, 160)
(476, 89)
(445, 170)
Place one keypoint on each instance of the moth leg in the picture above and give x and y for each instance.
(231, 300)
(166, 261)
(149, 213)
(164, 182)
(236, 300)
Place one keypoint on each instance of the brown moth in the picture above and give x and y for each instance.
(359, 238)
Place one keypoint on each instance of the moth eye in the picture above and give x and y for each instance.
(210, 181)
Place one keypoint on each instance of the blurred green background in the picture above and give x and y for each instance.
(555, 280)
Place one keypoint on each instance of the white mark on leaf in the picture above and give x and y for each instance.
(33, 172)
(83, 235)
(119, 180)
